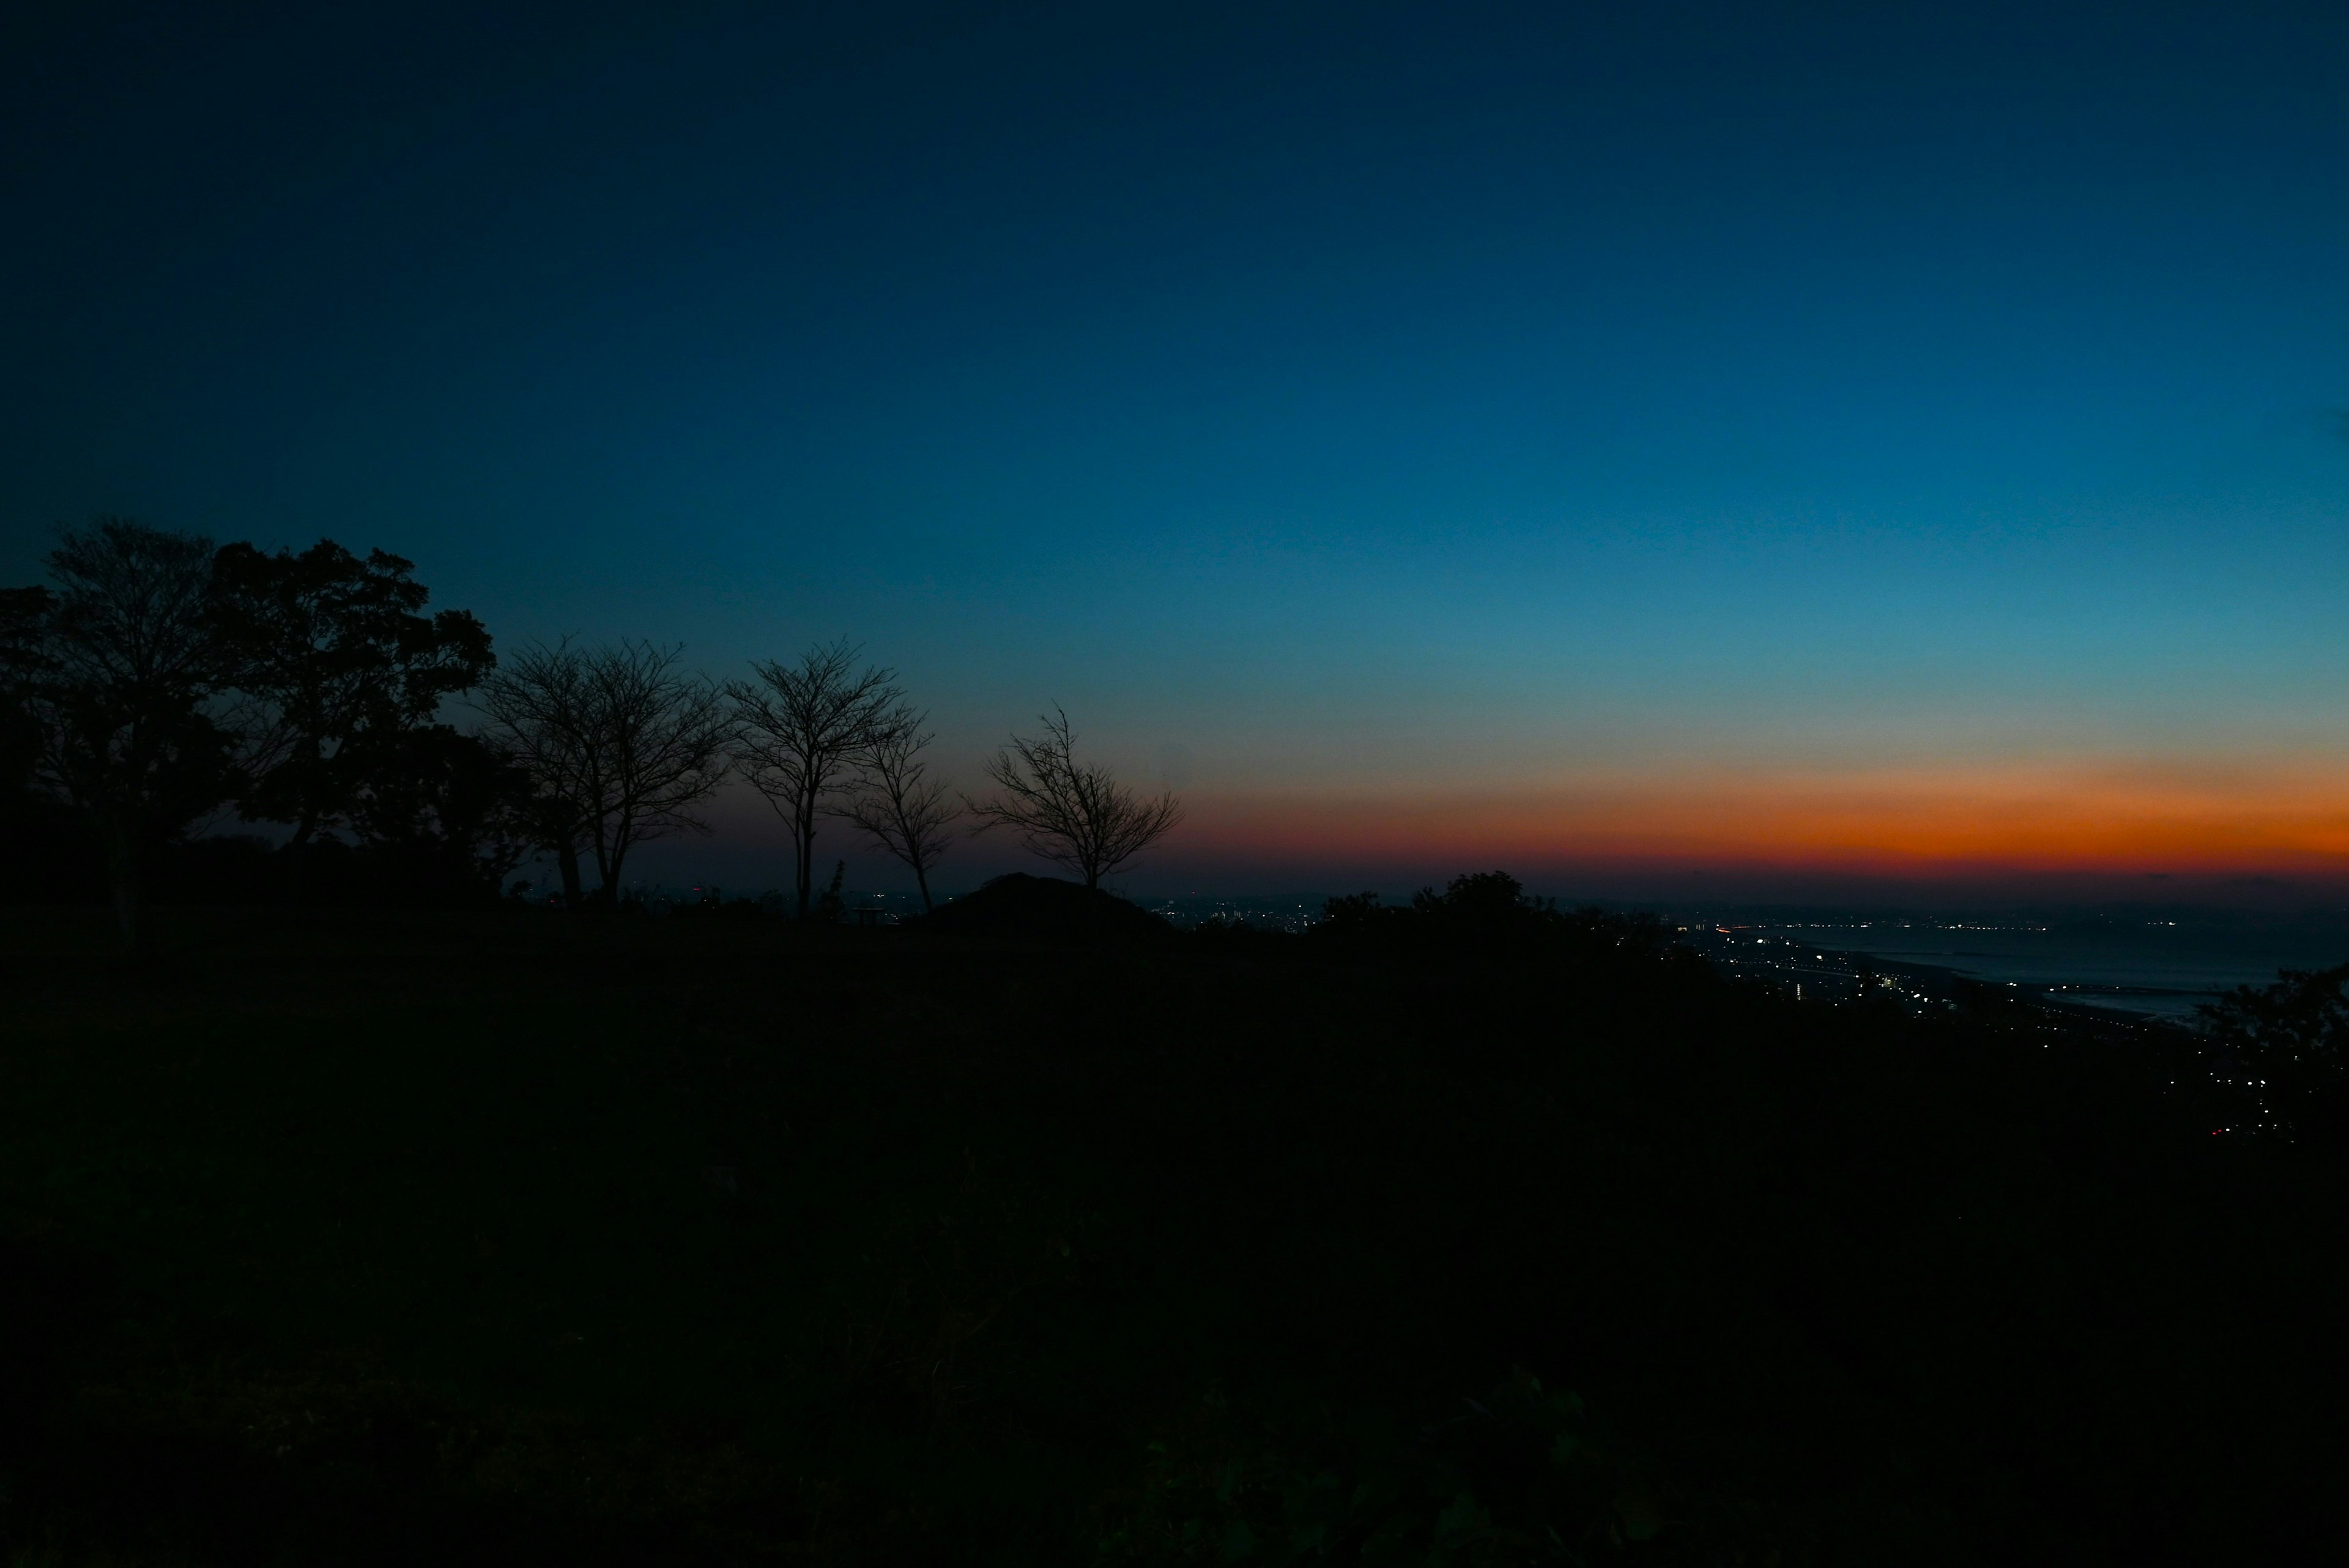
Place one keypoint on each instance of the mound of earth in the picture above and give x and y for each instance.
(1019, 905)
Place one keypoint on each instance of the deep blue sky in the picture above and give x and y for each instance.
(1423, 432)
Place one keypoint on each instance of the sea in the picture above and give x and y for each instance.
(2161, 968)
(2152, 963)
(2161, 964)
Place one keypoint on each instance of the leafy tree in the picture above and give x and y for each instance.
(1073, 813)
(1480, 897)
(336, 654)
(2285, 1047)
(899, 806)
(1353, 914)
(1489, 914)
(445, 815)
(24, 659)
(801, 730)
(117, 673)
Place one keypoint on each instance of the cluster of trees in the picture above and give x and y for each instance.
(157, 680)
(2282, 1051)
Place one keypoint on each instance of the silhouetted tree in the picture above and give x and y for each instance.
(801, 730)
(1487, 898)
(44, 848)
(1489, 914)
(339, 661)
(1073, 813)
(667, 735)
(620, 744)
(24, 660)
(1351, 914)
(442, 816)
(1479, 903)
(897, 805)
(2285, 1047)
(123, 665)
(543, 707)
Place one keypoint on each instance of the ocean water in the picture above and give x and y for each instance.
(2164, 968)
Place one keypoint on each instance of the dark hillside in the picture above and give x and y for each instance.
(1046, 909)
(405, 1238)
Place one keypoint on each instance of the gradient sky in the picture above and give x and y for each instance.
(1629, 444)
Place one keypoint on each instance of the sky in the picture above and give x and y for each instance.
(1650, 448)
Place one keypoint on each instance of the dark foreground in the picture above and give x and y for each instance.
(385, 1240)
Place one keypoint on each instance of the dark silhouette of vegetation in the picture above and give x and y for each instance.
(339, 667)
(1074, 815)
(662, 738)
(115, 674)
(621, 745)
(544, 713)
(831, 904)
(803, 731)
(2283, 1049)
(1043, 908)
(156, 679)
(897, 804)
(1488, 916)
(24, 664)
(45, 849)
(494, 1236)
(1520, 1475)
(421, 1227)
(446, 817)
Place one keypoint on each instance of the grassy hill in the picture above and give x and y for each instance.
(394, 1239)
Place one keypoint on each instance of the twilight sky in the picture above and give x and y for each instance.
(1643, 446)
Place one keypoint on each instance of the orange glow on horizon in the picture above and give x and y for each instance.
(2101, 818)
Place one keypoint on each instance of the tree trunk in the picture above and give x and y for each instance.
(803, 850)
(607, 867)
(567, 857)
(922, 880)
(296, 849)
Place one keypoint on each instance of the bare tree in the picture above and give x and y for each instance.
(801, 729)
(668, 740)
(544, 713)
(620, 742)
(1073, 813)
(899, 806)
